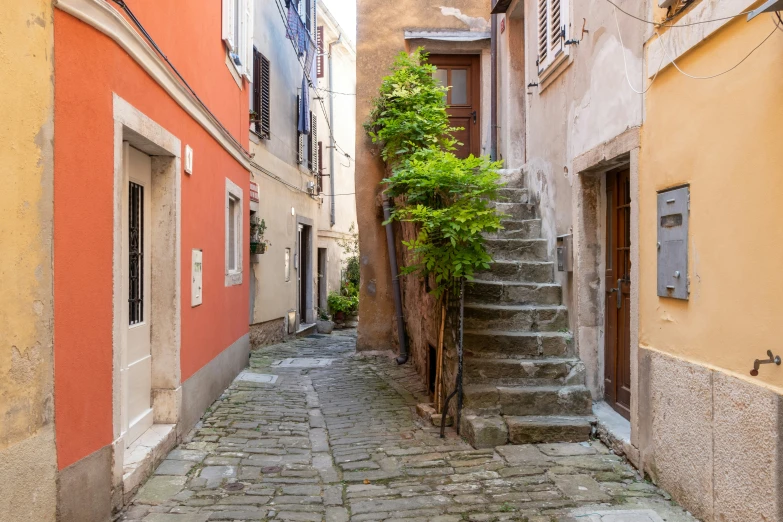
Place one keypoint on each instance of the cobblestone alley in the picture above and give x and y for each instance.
(335, 438)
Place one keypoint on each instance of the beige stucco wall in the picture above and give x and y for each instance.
(27, 451)
(285, 187)
(344, 128)
(379, 38)
(708, 431)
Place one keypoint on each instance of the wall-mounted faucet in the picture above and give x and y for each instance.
(772, 359)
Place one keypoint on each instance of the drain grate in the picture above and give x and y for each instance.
(302, 362)
(234, 486)
(261, 378)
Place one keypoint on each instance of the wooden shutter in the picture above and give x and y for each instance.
(256, 91)
(229, 37)
(320, 57)
(247, 45)
(266, 97)
(313, 17)
(543, 32)
(313, 143)
(320, 175)
(556, 23)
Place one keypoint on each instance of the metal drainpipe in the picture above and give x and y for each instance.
(403, 358)
(493, 86)
(339, 41)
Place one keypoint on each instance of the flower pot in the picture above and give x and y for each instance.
(324, 327)
(257, 248)
(339, 316)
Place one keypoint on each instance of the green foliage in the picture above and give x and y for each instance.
(350, 246)
(410, 112)
(448, 198)
(341, 303)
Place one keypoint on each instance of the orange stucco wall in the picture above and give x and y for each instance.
(89, 67)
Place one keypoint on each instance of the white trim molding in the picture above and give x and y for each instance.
(681, 38)
(103, 17)
(234, 275)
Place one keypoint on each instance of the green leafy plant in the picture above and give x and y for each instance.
(323, 314)
(258, 244)
(448, 198)
(409, 113)
(350, 245)
(339, 303)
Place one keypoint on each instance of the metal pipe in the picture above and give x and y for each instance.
(403, 358)
(493, 91)
(332, 219)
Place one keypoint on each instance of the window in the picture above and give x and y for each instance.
(308, 143)
(234, 238)
(319, 40)
(553, 25)
(238, 34)
(306, 10)
(287, 265)
(261, 95)
(319, 177)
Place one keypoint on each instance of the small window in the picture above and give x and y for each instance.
(553, 25)
(238, 34)
(287, 264)
(308, 143)
(234, 237)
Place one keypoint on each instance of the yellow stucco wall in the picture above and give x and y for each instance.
(27, 455)
(724, 137)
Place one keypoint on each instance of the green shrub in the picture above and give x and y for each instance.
(341, 303)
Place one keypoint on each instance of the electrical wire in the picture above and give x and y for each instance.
(675, 26)
(335, 92)
(625, 60)
(674, 63)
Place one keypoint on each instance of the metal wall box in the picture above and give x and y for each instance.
(565, 253)
(673, 217)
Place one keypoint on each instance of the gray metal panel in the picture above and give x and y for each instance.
(673, 217)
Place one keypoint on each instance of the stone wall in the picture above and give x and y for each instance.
(269, 332)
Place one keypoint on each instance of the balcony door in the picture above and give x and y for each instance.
(462, 74)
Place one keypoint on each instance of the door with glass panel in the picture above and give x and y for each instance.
(462, 74)
(135, 358)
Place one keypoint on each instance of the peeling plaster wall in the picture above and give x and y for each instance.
(380, 36)
(586, 102)
(27, 451)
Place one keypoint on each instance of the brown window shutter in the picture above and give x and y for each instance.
(320, 177)
(314, 160)
(265, 76)
(257, 88)
(320, 58)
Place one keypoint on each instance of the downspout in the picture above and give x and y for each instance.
(403, 358)
(493, 88)
(339, 41)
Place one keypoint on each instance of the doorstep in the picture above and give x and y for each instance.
(143, 456)
(614, 430)
(306, 329)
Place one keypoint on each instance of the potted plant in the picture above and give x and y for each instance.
(324, 323)
(258, 244)
(339, 305)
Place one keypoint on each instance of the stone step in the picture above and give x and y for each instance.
(516, 210)
(519, 271)
(513, 195)
(528, 318)
(513, 178)
(504, 292)
(517, 345)
(532, 400)
(517, 229)
(548, 429)
(552, 371)
(517, 249)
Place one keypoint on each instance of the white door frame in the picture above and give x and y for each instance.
(144, 134)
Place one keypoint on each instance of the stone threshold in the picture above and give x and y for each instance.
(613, 429)
(142, 457)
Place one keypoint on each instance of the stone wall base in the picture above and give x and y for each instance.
(28, 477)
(712, 440)
(269, 332)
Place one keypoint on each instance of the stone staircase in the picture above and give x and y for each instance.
(523, 382)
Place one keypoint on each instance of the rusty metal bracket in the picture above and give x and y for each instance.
(758, 362)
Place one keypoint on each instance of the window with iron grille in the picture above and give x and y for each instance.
(135, 254)
(553, 21)
(262, 70)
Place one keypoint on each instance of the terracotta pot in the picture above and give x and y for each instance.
(340, 316)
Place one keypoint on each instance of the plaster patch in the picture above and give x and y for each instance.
(24, 364)
(474, 23)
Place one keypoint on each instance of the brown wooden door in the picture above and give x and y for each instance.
(462, 73)
(617, 354)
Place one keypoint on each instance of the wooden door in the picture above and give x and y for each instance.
(617, 349)
(462, 74)
(135, 355)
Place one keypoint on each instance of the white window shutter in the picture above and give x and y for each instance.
(228, 23)
(555, 27)
(247, 57)
(543, 33)
(314, 18)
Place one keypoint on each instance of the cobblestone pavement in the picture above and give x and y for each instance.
(335, 439)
